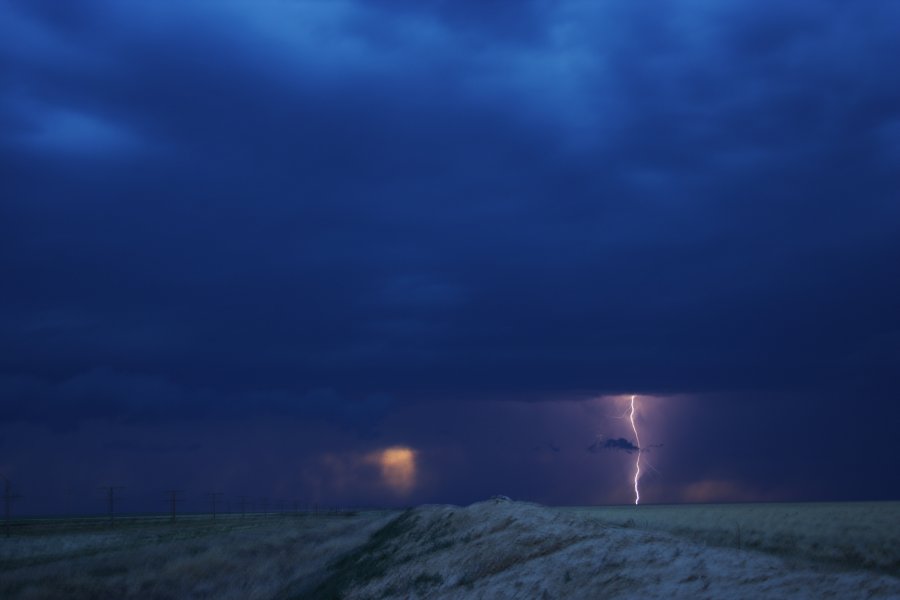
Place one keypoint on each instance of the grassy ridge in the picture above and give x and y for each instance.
(437, 548)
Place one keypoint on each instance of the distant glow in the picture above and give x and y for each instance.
(637, 462)
(398, 467)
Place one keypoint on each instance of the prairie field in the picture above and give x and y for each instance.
(195, 557)
(851, 534)
(493, 549)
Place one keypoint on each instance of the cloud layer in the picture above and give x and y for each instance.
(331, 210)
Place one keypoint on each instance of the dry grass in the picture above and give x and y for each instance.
(517, 550)
(487, 550)
(851, 534)
(195, 558)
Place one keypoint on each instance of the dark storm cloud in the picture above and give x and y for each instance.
(521, 21)
(139, 398)
(613, 444)
(404, 198)
(619, 444)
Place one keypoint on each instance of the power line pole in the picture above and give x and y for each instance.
(243, 500)
(8, 498)
(174, 498)
(111, 499)
(214, 498)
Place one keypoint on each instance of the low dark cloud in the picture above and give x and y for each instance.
(613, 444)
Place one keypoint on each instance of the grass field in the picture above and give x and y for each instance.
(488, 550)
(852, 534)
(196, 557)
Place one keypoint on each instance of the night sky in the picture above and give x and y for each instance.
(385, 252)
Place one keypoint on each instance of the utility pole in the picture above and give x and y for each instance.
(174, 498)
(8, 498)
(111, 500)
(214, 498)
(243, 500)
(265, 507)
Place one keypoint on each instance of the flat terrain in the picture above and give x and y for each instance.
(850, 534)
(486, 550)
(255, 557)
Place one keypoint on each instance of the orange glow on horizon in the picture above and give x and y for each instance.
(398, 467)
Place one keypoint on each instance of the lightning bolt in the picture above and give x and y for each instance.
(637, 463)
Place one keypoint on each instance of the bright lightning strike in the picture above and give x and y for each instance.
(637, 462)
